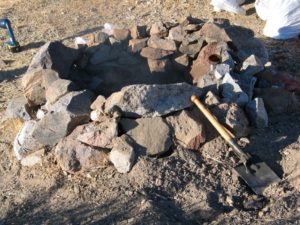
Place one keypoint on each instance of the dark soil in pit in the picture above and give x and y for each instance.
(182, 188)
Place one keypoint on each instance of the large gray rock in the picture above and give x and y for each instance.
(36, 82)
(25, 143)
(18, 108)
(99, 134)
(188, 132)
(55, 56)
(73, 156)
(59, 88)
(152, 100)
(232, 91)
(257, 113)
(68, 112)
(122, 155)
(152, 135)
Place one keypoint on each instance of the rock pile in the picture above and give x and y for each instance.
(126, 93)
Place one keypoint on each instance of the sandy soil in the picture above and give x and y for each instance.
(183, 188)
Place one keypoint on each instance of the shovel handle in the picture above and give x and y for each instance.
(222, 131)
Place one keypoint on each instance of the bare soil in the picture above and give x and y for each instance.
(182, 188)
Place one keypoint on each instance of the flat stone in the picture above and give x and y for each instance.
(35, 84)
(122, 155)
(182, 60)
(154, 53)
(137, 32)
(158, 65)
(164, 44)
(176, 34)
(73, 156)
(121, 34)
(188, 132)
(99, 134)
(25, 143)
(213, 33)
(251, 66)
(231, 90)
(98, 103)
(211, 54)
(234, 117)
(257, 113)
(18, 108)
(151, 134)
(68, 112)
(158, 29)
(59, 88)
(152, 100)
(136, 45)
(55, 56)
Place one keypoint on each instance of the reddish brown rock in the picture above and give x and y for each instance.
(156, 42)
(154, 53)
(188, 132)
(211, 54)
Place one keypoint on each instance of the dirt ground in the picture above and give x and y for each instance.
(183, 188)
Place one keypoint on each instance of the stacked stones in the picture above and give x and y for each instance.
(143, 109)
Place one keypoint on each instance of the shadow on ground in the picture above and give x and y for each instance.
(12, 74)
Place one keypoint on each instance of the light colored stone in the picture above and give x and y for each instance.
(122, 155)
(158, 29)
(188, 132)
(211, 99)
(40, 114)
(25, 143)
(33, 159)
(257, 113)
(151, 134)
(18, 108)
(59, 88)
(213, 33)
(231, 91)
(176, 34)
(182, 60)
(152, 100)
(98, 103)
(251, 66)
(99, 134)
(121, 34)
(35, 84)
(164, 44)
(68, 112)
(220, 70)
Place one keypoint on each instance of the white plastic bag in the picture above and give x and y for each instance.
(282, 17)
(229, 5)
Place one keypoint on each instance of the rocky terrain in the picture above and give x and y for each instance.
(180, 172)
